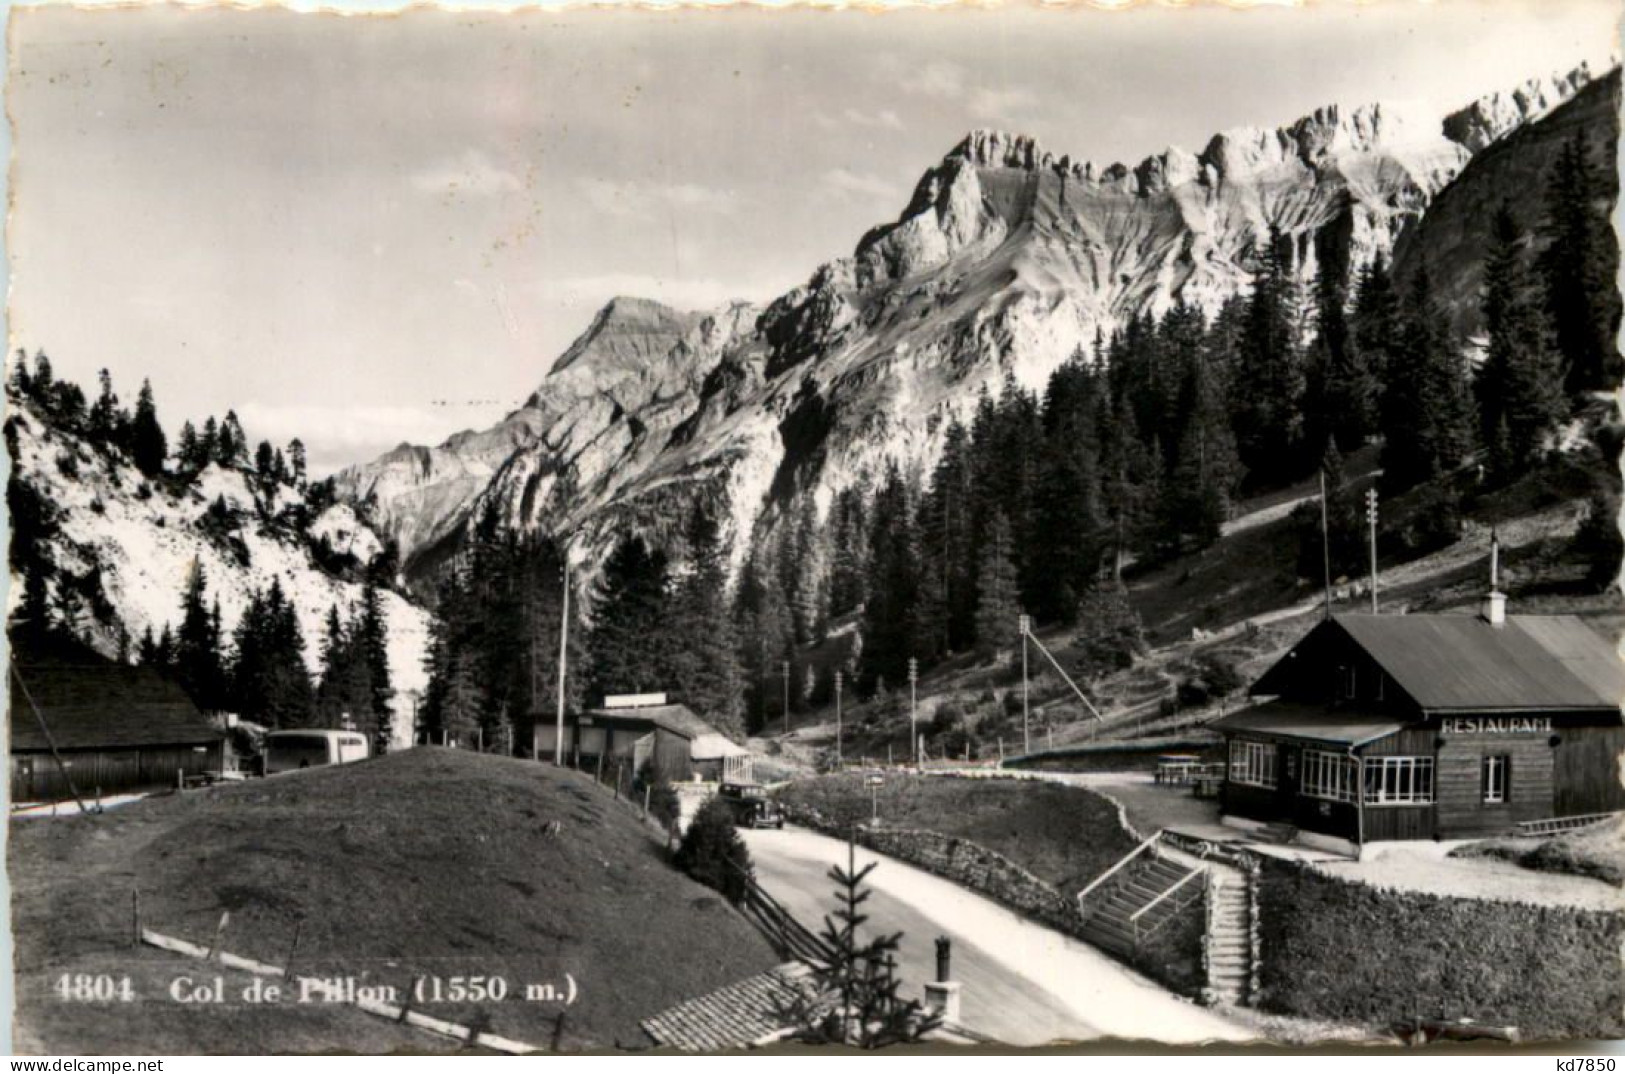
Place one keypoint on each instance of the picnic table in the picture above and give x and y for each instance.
(1177, 768)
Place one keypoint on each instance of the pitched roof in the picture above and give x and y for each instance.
(735, 1016)
(678, 719)
(90, 702)
(1461, 662)
(1340, 727)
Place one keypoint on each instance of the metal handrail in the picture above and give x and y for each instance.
(1130, 856)
(1181, 882)
(1140, 937)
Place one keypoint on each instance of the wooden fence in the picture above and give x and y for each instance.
(789, 937)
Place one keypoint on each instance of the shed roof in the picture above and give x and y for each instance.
(1340, 727)
(90, 702)
(736, 1016)
(1462, 663)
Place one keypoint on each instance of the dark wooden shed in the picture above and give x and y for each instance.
(116, 727)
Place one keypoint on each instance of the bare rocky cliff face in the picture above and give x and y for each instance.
(1007, 258)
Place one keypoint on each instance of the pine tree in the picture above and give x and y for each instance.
(889, 620)
(1267, 399)
(21, 384)
(1580, 265)
(102, 424)
(208, 445)
(1427, 415)
(708, 676)
(1520, 385)
(1109, 634)
(231, 445)
(632, 635)
(1344, 397)
(764, 631)
(188, 449)
(998, 599)
(372, 639)
(199, 668)
(148, 448)
(296, 459)
(1376, 328)
(849, 551)
(1195, 499)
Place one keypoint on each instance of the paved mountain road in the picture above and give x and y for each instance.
(1022, 984)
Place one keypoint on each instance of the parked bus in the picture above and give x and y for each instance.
(288, 751)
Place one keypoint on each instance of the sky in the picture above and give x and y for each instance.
(361, 230)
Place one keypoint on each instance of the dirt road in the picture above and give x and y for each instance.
(1023, 984)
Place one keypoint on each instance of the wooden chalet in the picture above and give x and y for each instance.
(116, 728)
(1385, 727)
(638, 728)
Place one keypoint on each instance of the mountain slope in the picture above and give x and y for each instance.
(140, 539)
(1007, 259)
(1451, 240)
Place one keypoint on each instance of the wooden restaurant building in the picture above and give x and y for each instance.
(1386, 727)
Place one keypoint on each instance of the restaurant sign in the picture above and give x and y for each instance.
(1497, 725)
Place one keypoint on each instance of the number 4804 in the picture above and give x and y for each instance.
(93, 988)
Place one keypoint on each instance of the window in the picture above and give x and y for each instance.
(1495, 778)
(1398, 780)
(1348, 683)
(1252, 763)
(1328, 775)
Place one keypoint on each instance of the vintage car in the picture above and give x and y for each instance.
(751, 805)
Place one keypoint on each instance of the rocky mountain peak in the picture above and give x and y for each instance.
(1001, 149)
(1494, 114)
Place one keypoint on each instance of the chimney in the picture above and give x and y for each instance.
(1495, 605)
(942, 995)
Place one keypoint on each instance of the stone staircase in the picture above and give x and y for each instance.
(1158, 880)
(1229, 943)
(1140, 898)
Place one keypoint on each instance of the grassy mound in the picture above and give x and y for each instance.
(1064, 835)
(428, 862)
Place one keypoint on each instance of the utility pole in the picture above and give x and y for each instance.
(1371, 519)
(914, 709)
(564, 661)
(1325, 543)
(1026, 739)
(785, 667)
(839, 677)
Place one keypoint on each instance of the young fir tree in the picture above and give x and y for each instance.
(1580, 265)
(853, 998)
(148, 448)
(1520, 383)
(998, 604)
